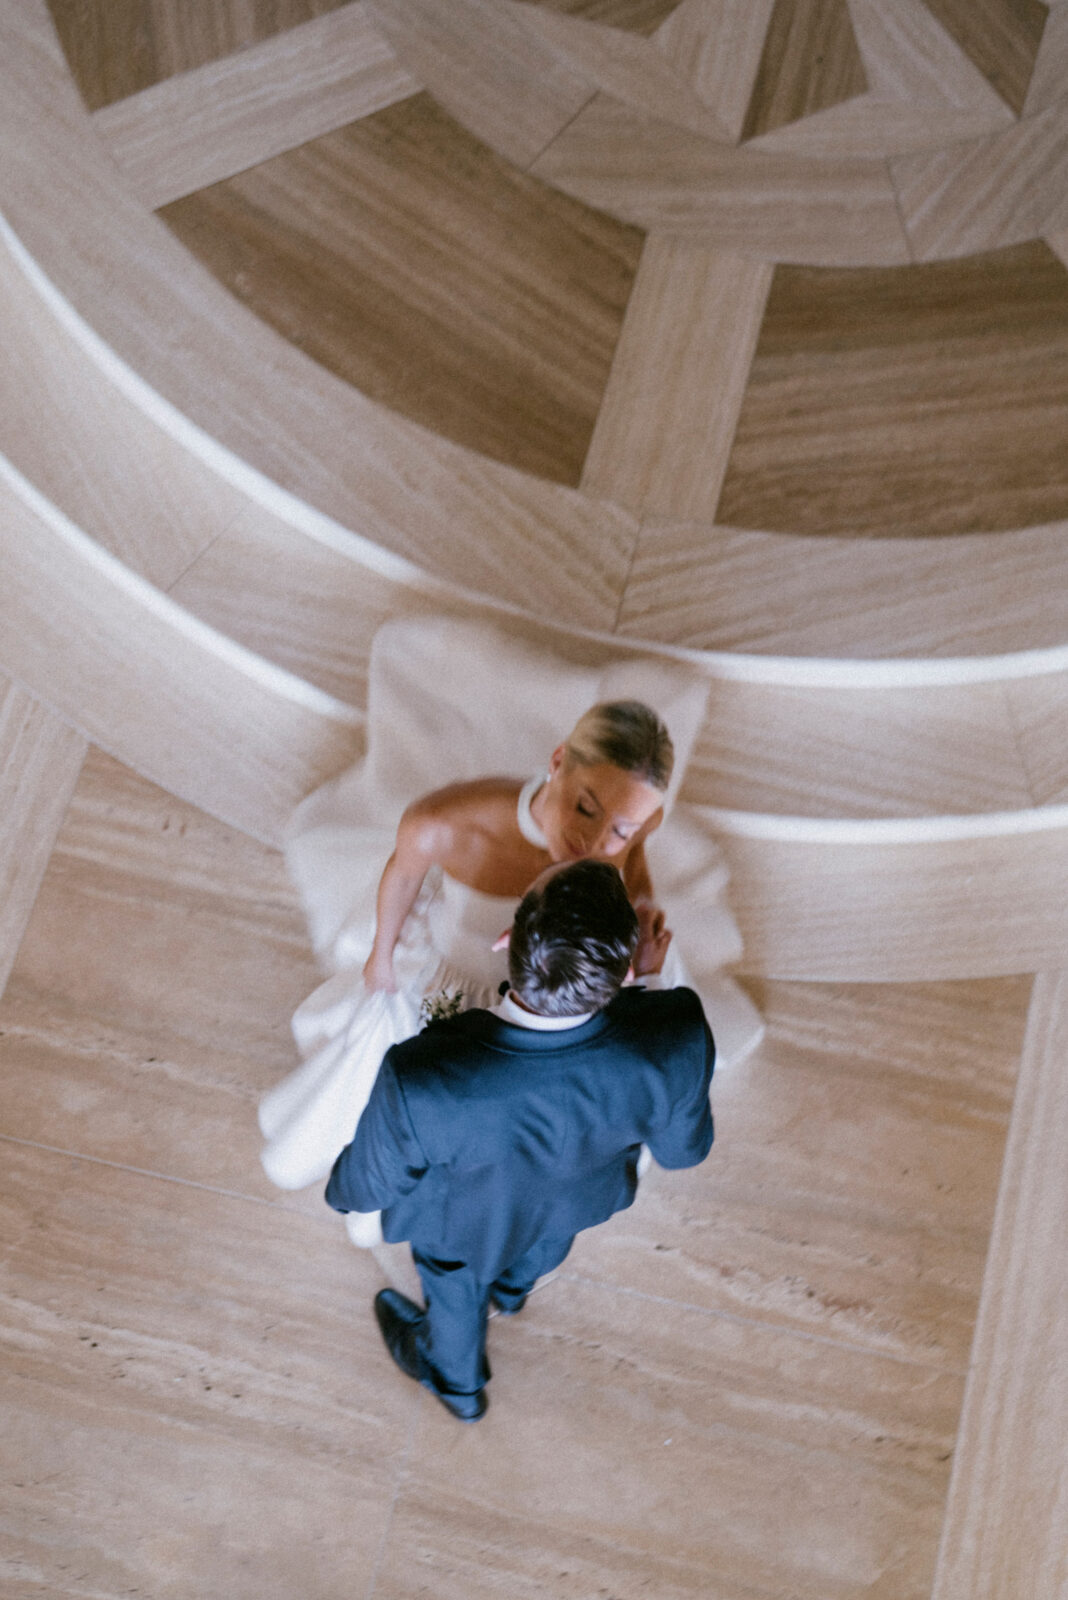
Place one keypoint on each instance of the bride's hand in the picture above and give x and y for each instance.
(378, 974)
(654, 936)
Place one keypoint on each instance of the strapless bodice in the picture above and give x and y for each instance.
(463, 925)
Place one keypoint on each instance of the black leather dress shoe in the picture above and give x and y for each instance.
(398, 1319)
(509, 1308)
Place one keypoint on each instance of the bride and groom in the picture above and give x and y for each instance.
(406, 918)
(493, 1137)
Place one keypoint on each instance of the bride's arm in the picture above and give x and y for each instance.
(636, 876)
(655, 936)
(423, 838)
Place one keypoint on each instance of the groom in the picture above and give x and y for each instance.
(491, 1138)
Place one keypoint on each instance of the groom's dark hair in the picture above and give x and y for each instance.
(572, 941)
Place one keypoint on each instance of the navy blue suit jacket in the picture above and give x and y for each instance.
(482, 1138)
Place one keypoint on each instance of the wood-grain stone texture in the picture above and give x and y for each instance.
(779, 285)
(749, 1381)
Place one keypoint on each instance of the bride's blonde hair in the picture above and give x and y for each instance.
(625, 734)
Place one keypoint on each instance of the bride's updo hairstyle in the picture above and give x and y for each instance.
(625, 734)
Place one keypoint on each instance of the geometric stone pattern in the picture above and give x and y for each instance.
(263, 100)
(1002, 37)
(636, 16)
(497, 328)
(786, 1328)
(917, 400)
(437, 279)
(810, 62)
(116, 48)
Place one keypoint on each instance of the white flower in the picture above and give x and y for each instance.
(436, 1007)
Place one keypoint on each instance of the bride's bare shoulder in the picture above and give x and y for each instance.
(477, 803)
(461, 827)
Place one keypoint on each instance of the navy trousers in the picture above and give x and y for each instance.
(451, 1339)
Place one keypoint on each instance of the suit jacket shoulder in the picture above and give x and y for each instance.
(677, 1008)
(666, 1026)
(481, 1136)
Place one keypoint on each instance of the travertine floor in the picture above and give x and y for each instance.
(420, 267)
(465, 254)
(748, 1386)
(914, 400)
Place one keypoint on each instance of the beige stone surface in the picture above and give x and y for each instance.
(116, 48)
(809, 63)
(250, 392)
(773, 207)
(210, 122)
(1000, 190)
(641, 17)
(910, 58)
(718, 44)
(1002, 38)
(750, 1380)
(900, 910)
(629, 68)
(636, 1443)
(901, 752)
(433, 277)
(297, 601)
(1004, 1526)
(488, 68)
(750, 1384)
(1049, 81)
(1038, 711)
(40, 759)
(129, 668)
(93, 452)
(873, 127)
(928, 398)
(731, 589)
(666, 425)
(185, 1407)
(924, 91)
(185, 943)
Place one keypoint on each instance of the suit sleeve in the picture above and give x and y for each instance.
(686, 1139)
(384, 1160)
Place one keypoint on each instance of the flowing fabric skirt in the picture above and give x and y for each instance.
(447, 701)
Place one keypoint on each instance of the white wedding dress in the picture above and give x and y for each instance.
(445, 702)
(342, 1031)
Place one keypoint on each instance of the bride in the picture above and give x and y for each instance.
(601, 797)
(462, 858)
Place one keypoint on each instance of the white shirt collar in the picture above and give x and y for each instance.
(509, 1010)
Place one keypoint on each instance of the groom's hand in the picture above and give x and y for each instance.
(653, 939)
